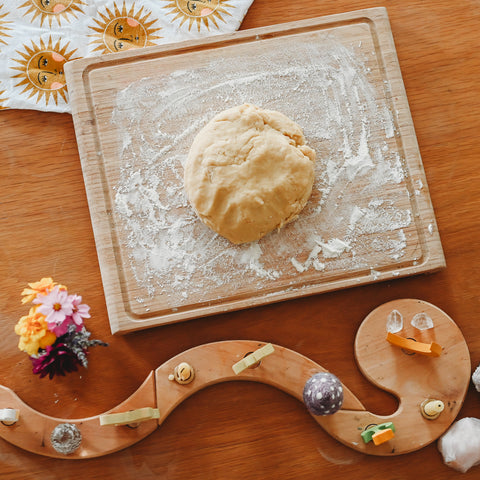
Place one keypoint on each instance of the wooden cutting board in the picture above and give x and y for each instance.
(136, 113)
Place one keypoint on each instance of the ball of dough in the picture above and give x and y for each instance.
(249, 172)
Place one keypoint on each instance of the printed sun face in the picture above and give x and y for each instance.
(199, 11)
(124, 33)
(122, 30)
(198, 8)
(50, 9)
(41, 70)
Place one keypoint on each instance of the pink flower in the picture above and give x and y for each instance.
(56, 306)
(80, 310)
(62, 328)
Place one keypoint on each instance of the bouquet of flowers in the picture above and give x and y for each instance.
(53, 333)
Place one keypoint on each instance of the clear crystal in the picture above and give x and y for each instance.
(394, 321)
(422, 321)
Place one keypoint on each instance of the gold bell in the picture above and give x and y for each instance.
(183, 373)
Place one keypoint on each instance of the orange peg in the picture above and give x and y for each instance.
(430, 349)
(382, 436)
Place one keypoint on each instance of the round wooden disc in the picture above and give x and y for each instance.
(414, 378)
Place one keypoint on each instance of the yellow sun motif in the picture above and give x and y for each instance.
(199, 11)
(3, 26)
(41, 70)
(50, 9)
(2, 99)
(123, 30)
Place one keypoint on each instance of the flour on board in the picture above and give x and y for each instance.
(354, 216)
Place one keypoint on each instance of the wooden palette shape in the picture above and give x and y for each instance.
(411, 378)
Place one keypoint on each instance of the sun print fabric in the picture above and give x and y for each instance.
(37, 37)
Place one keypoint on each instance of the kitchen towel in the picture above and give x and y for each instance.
(37, 37)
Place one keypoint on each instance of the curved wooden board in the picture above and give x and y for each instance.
(412, 378)
(285, 369)
(33, 429)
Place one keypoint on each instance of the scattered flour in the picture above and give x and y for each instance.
(356, 213)
(334, 248)
(312, 261)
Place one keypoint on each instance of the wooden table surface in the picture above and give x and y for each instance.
(243, 429)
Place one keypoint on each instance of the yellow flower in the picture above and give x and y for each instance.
(42, 287)
(34, 333)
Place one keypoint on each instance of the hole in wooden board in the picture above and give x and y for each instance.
(408, 352)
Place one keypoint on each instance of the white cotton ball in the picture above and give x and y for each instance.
(476, 378)
(460, 445)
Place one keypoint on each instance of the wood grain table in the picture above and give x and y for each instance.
(241, 429)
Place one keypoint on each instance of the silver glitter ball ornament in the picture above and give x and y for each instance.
(66, 438)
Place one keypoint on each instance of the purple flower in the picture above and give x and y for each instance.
(58, 359)
(56, 306)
